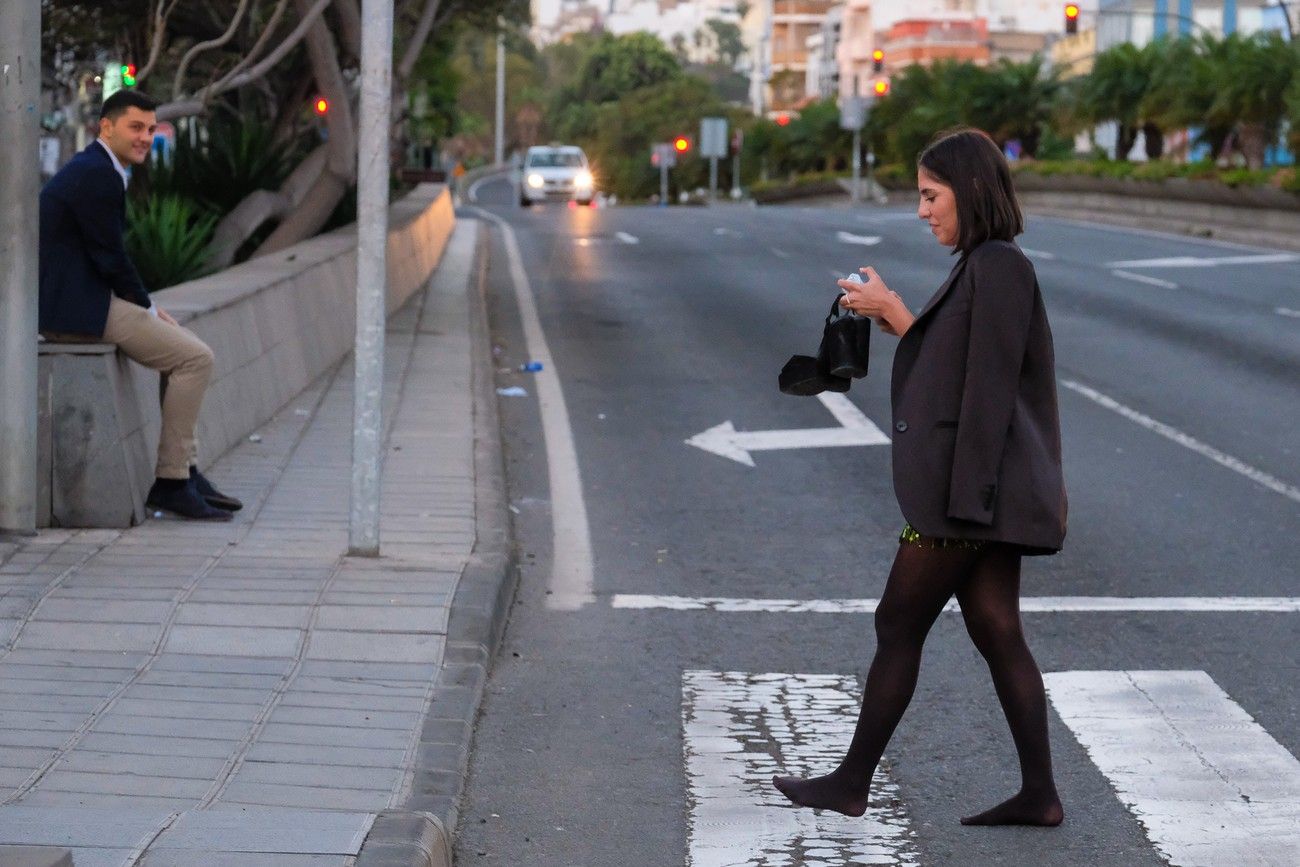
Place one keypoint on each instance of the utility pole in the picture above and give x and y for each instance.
(20, 92)
(372, 274)
(500, 150)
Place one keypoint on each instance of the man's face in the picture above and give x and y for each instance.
(129, 136)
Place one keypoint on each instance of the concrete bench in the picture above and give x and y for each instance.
(275, 324)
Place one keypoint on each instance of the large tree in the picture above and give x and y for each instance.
(261, 59)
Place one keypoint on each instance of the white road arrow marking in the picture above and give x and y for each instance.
(864, 240)
(739, 730)
(626, 238)
(855, 430)
(1210, 785)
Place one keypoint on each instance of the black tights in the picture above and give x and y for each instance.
(987, 585)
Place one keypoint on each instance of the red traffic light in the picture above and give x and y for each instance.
(783, 119)
(321, 106)
(1071, 18)
(881, 87)
(877, 60)
(681, 144)
(1071, 11)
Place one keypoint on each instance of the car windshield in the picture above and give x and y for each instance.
(555, 159)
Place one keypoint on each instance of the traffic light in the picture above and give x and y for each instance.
(783, 119)
(681, 144)
(128, 74)
(877, 61)
(321, 106)
(1071, 18)
(881, 87)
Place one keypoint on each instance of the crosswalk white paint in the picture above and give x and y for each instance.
(1028, 604)
(1208, 783)
(1291, 492)
(739, 730)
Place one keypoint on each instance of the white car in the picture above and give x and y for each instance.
(556, 172)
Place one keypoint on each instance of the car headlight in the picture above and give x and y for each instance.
(583, 179)
(536, 181)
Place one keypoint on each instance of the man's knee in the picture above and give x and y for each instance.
(201, 358)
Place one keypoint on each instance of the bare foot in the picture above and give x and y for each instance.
(824, 793)
(1023, 809)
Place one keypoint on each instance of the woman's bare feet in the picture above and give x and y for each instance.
(830, 792)
(1023, 809)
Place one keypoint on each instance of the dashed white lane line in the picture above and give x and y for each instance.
(1291, 492)
(739, 730)
(627, 238)
(1210, 785)
(1287, 311)
(1206, 261)
(572, 575)
(1142, 278)
(777, 251)
(1028, 604)
(1037, 254)
(862, 240)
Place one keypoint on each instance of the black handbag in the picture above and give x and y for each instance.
(843, 355)
(846, 343)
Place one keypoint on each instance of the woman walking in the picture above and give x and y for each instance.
(977, 473)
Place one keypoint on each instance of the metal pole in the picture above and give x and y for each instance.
(372, 273)
(857, 164)
(713, 180)
(501, 99)
(663, 181)
(20, 174)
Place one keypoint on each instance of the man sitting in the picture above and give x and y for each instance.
(90, 289)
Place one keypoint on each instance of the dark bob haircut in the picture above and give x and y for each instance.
(972, 164)
(117, 104)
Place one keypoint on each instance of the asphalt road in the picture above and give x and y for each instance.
(1181, 470)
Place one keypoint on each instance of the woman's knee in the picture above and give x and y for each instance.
(995, 633)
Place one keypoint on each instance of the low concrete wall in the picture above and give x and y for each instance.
(275, 324)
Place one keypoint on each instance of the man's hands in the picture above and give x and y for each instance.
(874, 299)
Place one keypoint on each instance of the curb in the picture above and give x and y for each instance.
(422, 832)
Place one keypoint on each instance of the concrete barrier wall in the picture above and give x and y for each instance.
(275, 324)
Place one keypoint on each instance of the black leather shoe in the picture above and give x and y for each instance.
(211, 494)
(181, 498)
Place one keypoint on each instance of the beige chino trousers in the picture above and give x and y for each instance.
(185, 363)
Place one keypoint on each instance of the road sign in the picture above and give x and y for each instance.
(853, 112)
(662, 155)
(713, 137)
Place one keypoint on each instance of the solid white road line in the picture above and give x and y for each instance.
(472, 192)
(739, 730)
(1210, 785)
(1206, 261)
(1287, 311)
(1142, 278)
(626, 238)
(1291, 492)
(1028, 604)
(571, 568)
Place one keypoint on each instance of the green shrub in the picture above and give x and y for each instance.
(167, 239)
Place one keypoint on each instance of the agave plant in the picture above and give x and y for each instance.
(167, 239)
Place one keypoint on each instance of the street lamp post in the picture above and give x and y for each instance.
(500, 148)
(20, 83)
(372, 274)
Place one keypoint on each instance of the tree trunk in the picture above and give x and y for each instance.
(1029, 142)
(248, 216)
(1125, 137)
(1253, 139)
(1154, 140)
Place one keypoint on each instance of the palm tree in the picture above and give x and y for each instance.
(1015, 101)
(1114, 91)
(1253, 79)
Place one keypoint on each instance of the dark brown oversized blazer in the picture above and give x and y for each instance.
(977, 435)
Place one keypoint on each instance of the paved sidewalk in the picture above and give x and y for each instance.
(244, 693)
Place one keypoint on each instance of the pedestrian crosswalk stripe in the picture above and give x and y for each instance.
(739, 730)
(1209, 784)
(1028, 604)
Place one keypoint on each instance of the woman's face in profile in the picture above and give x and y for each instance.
(938, 207)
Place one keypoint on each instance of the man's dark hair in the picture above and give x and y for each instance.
(972, 164)
(117, 104)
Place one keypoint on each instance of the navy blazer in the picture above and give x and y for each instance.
(83, 260)
(977, 434)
